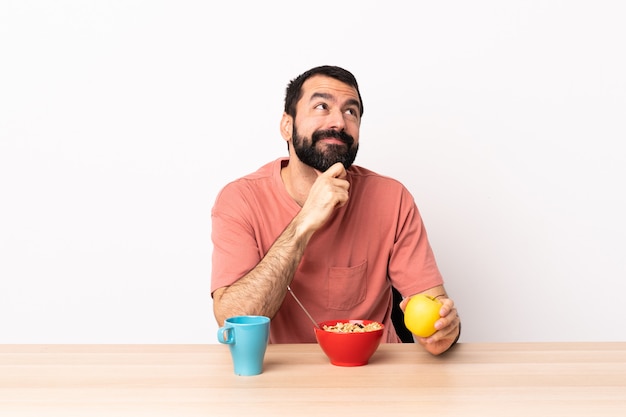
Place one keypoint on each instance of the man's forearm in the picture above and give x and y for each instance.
(262, 290)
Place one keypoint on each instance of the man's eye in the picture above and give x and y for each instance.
(353, 112)
(321, 106)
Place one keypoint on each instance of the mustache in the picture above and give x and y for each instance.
(335, 134)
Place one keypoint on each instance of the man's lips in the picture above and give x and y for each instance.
(332, 141)
(333, 137)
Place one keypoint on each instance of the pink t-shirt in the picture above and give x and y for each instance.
(376, 240)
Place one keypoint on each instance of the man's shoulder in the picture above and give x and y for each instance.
(255, 182)
(369, 177)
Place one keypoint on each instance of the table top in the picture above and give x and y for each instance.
(473, 379)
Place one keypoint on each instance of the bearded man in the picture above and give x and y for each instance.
(339, 235)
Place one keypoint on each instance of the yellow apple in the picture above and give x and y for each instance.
(421, 313)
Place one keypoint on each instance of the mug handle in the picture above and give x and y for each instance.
(226, 335)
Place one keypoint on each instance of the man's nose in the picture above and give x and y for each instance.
(336, 120)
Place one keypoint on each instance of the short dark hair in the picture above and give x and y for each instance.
(294, 88)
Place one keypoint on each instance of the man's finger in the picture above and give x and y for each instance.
(336, 171)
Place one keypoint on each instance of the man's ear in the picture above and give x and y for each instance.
(286, 126)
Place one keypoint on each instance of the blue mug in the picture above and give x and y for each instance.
(247, 337)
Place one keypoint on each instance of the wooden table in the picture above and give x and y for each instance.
(527, 379)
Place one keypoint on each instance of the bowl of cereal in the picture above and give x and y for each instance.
(349, 342)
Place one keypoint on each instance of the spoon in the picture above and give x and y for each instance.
(302, 307)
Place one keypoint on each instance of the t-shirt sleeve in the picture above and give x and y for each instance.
(412, 265)
(235, 251)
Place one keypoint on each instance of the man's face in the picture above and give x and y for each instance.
(326, 129)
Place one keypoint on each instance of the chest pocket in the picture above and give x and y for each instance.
(347, 286)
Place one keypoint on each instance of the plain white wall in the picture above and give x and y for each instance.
(121, 120)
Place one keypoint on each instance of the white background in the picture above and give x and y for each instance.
(121, 120)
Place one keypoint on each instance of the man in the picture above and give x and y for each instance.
(339, 235)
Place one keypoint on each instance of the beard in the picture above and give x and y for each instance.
(321, 159)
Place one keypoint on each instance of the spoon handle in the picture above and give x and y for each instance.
(302, 307)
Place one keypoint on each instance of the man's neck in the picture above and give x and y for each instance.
(298, 179)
